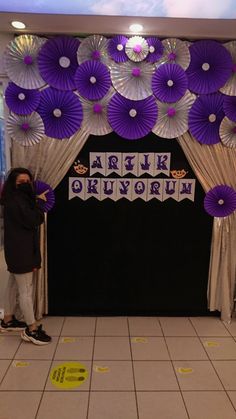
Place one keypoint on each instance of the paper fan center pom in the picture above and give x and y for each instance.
(206, 66)
(221, 201)
(119, 47)
(25, 126)
(97, 108)
(92, 79)
(28, 60)
(234, 68)
(96, 54)
(172, 56)
(170, 83)
(133, 113)
(21, 96)
(137, 48)
(212, 117)
(136, 72)
(57, 112)
(64, 62)
(152, 49)
(171, 112)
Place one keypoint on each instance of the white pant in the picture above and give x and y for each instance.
(20, 286)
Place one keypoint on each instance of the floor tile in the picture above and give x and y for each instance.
(185, 348)
(232, 396)
(144, 326)
(52, 325)
(227, 373)
(209, 326)
(163, 405)
(149, 348)
(196, 375)
(19, 404)
(28, 350)
(220, 348)
(177, 326)
(112, 348)
(9, 346)
(112, 375)
(26, 375)
(209, 405)
(71, 347)
(63, 405)
(4, 364)
(155, 375)
(115, 405)
(79, 326)
(112, 326)
(82, 386)
(231, 327)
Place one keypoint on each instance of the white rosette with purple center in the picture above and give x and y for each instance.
(27, 130)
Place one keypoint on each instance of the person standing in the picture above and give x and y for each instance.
(22, 218)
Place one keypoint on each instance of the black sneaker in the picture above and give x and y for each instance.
(12, 325)
(38, 336)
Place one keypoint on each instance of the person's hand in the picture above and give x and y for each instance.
(43, 195)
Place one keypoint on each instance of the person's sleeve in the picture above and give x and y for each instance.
(29, 216)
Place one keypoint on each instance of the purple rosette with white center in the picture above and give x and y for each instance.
(169, 83)
(229, 106)
(116, 48)
(92, 80)
(21, 101)
(27, 130)
(45, 195)
(155, 49)
(220, 201)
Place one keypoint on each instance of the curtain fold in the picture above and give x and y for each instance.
(49, 161)
(216, 165)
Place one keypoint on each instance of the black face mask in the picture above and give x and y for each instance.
(26, 188)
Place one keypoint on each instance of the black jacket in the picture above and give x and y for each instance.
(22, 218)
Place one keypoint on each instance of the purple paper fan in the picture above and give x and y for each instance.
(205, 118)
(92, 79)
(155, 49)
(220, 201)
(132, 119)
(21, 101)
(169, 83)
(229, 106)
(116, 48)
(41, 187)
(61, 112)
(57, 62)
(210, 67)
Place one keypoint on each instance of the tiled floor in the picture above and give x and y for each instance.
(129, 368)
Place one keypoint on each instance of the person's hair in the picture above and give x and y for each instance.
(10, 182)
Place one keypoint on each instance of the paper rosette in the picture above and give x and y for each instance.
(27, 130)
(21, 101)
(229, 106)
(94, 47)
(172, 118)
(137, 48)
(40, 188)
(229, 87)
(133, 80)
(175, 52)
(205, 118)
(132, 119)
(169, 82)
(57, 61)
(220, 201)
(228, 133)
(210, 67)
(92, 79)
(116, 48)
(155, 49)
(95, 115)
(61, 112)
(20, 61)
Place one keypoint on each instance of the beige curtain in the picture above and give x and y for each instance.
(49, 161)
(216, 165)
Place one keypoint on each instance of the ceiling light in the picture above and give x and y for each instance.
(18, 25)
(136, 27)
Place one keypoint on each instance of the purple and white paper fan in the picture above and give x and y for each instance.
(27, 130)
(175, 52)
(116, 48)
(210, 67)
(133, 80)
(172, 118)
(137, 48)
(45, 189)
(229, 87)
(95, 115)
(169, 83)
(94, 47)
(229, 106)
(21, 63)
(220, 201)
(228, 133)
(21, 101)
(132, 119)
(205, 118)
(92, 79)
(61, 112)
(155, 49)
(57, 61)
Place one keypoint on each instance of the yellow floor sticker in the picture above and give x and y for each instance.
(139, 340)
(211, 344)
(68, 375)
(183, 370)
(101, 369)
